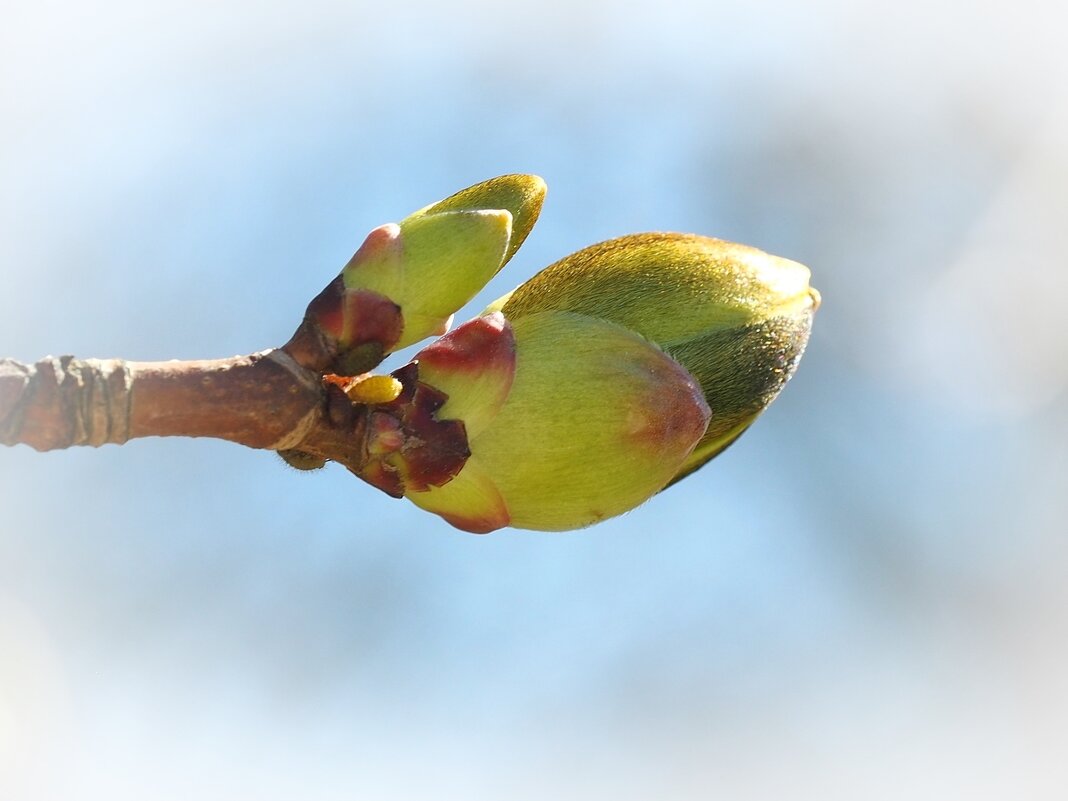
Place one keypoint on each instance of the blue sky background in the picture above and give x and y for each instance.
(864, 598)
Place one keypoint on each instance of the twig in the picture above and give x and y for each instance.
(265, 400)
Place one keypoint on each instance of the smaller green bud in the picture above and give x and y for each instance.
(408, 279)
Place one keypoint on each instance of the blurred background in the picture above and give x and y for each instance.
(862, 599)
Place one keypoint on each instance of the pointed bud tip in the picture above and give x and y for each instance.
(379, 239)
(520, 194)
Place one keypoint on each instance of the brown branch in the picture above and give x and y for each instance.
(282, 399)
(60, 402)
(265, 400)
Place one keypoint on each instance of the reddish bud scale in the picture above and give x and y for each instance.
(472, 347)
(349, 318)
(382, 242)
(666, 416)
(488, 516)
(353, 317)
(408, 448)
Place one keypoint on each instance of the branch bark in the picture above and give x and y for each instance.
(265, 400)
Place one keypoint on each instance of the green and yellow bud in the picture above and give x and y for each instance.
(521, 195)
(565, 420)
(407, 279)
(735, 317)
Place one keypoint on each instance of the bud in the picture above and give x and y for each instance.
(408, 278)
(521, 195)
(735, 317)
(553, 421)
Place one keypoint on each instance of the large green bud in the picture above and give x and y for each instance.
(735, 317)
(554, 421)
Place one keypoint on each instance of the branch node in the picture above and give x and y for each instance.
(62, 401)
